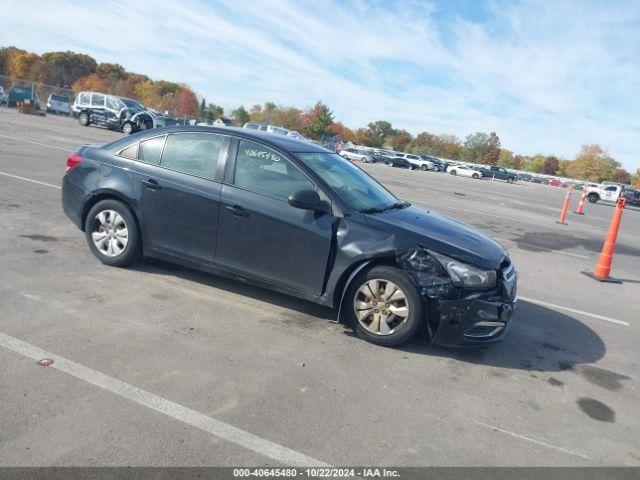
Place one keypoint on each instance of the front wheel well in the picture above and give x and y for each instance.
(349, 274)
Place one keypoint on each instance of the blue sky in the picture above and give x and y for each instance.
(547, 76)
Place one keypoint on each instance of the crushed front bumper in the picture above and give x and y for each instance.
(479, 317)
(472, 319)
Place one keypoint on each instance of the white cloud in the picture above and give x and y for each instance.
(547, 76)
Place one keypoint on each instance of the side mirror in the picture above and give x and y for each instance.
(308, 200)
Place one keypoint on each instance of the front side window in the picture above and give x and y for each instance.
(265, 171)
(193, 153)
(357, 189)
(97, 100)
(150, 150)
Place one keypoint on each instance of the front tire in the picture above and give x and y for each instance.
(593, 197)
(424, 168)
(510, 180)
(476, 176)
(384, 306)
(453, 172)
(112, 233)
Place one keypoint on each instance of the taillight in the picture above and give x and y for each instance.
(73, 160)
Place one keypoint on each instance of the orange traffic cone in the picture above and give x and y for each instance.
(581, 203)
(565, 207)
(603, 267)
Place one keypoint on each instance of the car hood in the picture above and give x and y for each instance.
(441, 234)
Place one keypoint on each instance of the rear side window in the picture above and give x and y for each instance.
(150, 150)
(130, 152)
(265, 171)
(97, 100)
(193, 153)
(83, 98)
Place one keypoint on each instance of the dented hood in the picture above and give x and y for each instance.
(441, 234)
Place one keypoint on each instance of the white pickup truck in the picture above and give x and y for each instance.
(611, 193)
(608, 193)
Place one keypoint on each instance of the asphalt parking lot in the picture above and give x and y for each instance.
(161, 365)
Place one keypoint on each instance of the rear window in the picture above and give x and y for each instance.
(151, 150)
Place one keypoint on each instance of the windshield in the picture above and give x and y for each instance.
(357, 189)
(131, 105)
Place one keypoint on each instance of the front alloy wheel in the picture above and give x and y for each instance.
(385, 306)
(381, 307)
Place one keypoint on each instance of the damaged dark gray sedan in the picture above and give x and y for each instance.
(296, 218)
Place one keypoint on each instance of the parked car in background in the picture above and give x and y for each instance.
(499, 173)
(353, 154)
(378, 157)
(3, 96)
(20, 94)
(525, 177)
(296, 218)
(59, 104)
(438, 165)
(398, 162)
(416, 161)
(117, 113)
(554, 182)
(464, 171)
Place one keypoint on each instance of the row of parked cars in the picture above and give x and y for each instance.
(395, 159)
(427, 163)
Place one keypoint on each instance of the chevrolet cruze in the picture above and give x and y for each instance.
(294, 217)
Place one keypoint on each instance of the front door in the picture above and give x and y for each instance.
(180, 199)
(260, 234)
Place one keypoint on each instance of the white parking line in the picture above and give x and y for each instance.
(30, 180)
(166, 407)
(37, 143)
(529, 439)
(573, 310)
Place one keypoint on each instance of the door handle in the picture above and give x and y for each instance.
(237, 210)
(151, 184)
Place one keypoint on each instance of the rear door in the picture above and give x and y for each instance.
(180, 192)
(260, 234)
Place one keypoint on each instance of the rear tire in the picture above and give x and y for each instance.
(401, 297)
(424, 168)
(128, 128)
(593, 197)
(476, 176)
(113, 234)
(453, 172)
(510, 180)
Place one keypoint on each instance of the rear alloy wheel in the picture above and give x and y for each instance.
(385, 306)
(475, 175)
(436, 168)
(453, 172)
(83, 119)
(112, 233)
(424, 168)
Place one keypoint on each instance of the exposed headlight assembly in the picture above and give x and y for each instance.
(465, 275)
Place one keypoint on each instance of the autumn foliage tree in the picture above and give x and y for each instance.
(317, 121)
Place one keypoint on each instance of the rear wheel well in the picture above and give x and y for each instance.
(105, 196)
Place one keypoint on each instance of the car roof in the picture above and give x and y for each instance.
(275, 140)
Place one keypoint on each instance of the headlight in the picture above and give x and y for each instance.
(465, 275)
